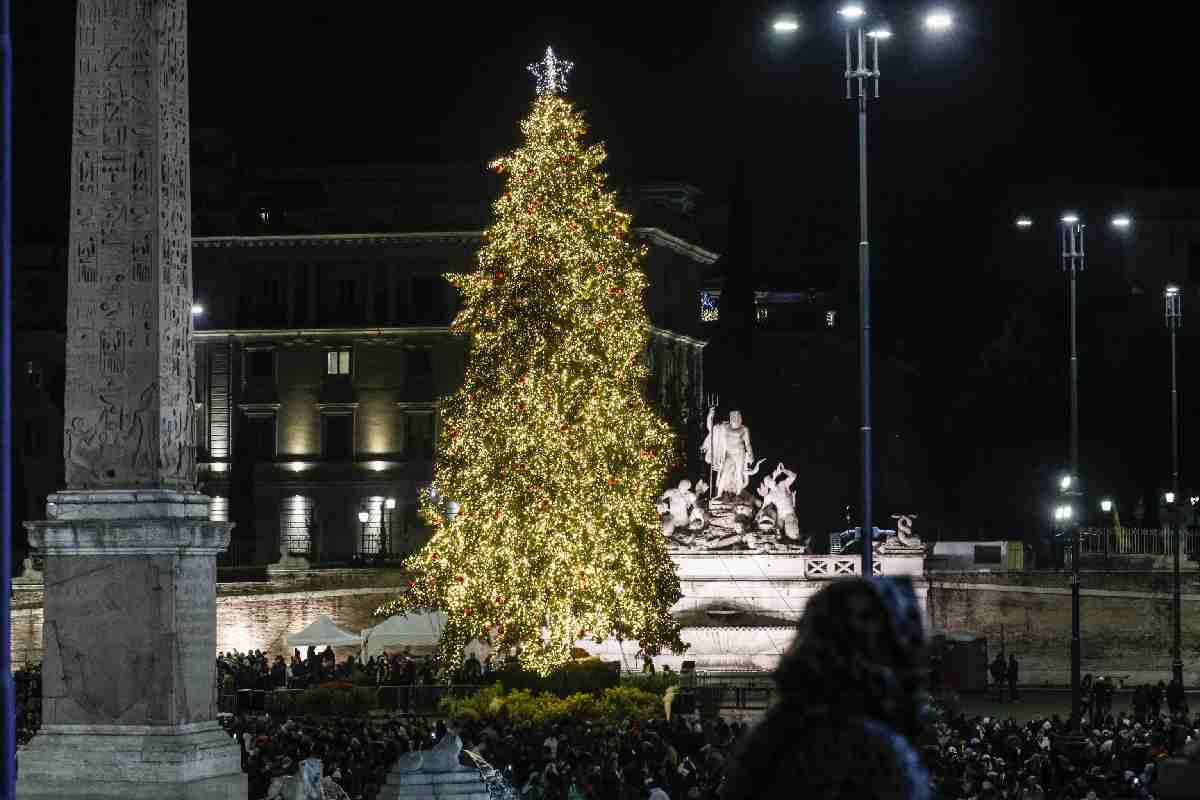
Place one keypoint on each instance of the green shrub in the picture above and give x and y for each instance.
(589, 675)
(655, 683)
(522, 707)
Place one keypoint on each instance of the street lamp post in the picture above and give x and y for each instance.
(390, 504)
(363, 516)
(1072, 262)
(1174, 318)
(862, 80)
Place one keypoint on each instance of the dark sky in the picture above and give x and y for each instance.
(1020, 90)
(1020, 93)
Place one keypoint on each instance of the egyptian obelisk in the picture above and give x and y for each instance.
(129, 690)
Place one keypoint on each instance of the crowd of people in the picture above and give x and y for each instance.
(852, 720)
(683, 758)
(256, 670)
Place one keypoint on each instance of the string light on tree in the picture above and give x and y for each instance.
(549, 447)
(551, 73)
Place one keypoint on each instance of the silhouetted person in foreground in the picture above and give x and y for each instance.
(851, 699)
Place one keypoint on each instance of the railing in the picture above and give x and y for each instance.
(1134, 541)
(827, 567)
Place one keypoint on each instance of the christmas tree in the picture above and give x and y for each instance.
(550, 460)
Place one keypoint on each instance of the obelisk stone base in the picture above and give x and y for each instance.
(127, 762)
(128, 672)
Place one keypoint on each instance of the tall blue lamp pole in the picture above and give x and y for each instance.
(862, 81)
(1174, 318)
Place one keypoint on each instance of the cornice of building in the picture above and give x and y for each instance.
(655, 236)
(320, 333)
(663, 333)
(368, 333)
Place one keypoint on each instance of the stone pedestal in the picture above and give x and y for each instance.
(30, 575)
(462, 784)
(128, 672)
(289, 563)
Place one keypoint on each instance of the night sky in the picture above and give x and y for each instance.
(1019, 94)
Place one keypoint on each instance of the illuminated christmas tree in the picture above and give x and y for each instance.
(550, 460)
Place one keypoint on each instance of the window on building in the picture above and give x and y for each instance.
(403, 301)
(424, 298)
(370, 533)
(259, 433)
(337, 436)
(260, 364)
(344, 289)
(218, 509)
(297, 521)
(337, 362)
(35, 438)
(33, 373)
(418, 435)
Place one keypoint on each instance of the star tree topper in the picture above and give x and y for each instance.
(551, 73)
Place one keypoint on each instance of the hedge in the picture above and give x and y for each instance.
(522, 707)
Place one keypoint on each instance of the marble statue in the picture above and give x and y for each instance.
(728, 451)
(779, 503)
(728, 515)
(676, 506)
(904, 541)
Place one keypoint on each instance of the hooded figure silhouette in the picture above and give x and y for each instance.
(852, 696)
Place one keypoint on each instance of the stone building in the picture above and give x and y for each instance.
(320, 362)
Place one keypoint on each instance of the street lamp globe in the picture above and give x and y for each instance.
(1169, 497)
(939, 20)
(852, 11)
(785, 25)
(390, 503)
(1106, 506)
(363, 516)
(1065, 482)
(1121, 221)
(1024, 222)
(197, 309)
(1070, 218)
(880, 31)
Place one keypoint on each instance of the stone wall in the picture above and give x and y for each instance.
(1126, 616)
(1125, 629)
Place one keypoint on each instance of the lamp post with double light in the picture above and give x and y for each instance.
(1174, 318)
(863, 33)
(386, 549)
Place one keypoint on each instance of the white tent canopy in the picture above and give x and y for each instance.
(323, 632)
(422, 629)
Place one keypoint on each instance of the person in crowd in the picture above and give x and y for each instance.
(1157, 693)
(1011, 674)
(1087, 696)
(1175, 697)
(851, 696)
(1141, 701)
(999, 671)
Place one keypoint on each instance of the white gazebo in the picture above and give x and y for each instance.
(421, 630)
(323, 632)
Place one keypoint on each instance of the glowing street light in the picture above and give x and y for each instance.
(852, 11)
(786, 25)
(1070, 218)
(1063, 513)
(1024, 222)
(197, 309)
(1065, 482)
(1106, 506)
(1121, 221)
(939, 21)
(363, 516)
(1170, 498)
(880, 32)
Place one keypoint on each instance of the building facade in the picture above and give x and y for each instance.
(320, 362)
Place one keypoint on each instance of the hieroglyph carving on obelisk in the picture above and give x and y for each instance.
(129, 389)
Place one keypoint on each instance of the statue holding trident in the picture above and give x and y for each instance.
(728, 452)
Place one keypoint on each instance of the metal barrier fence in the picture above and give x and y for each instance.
(1134, 541)
(426, 700)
